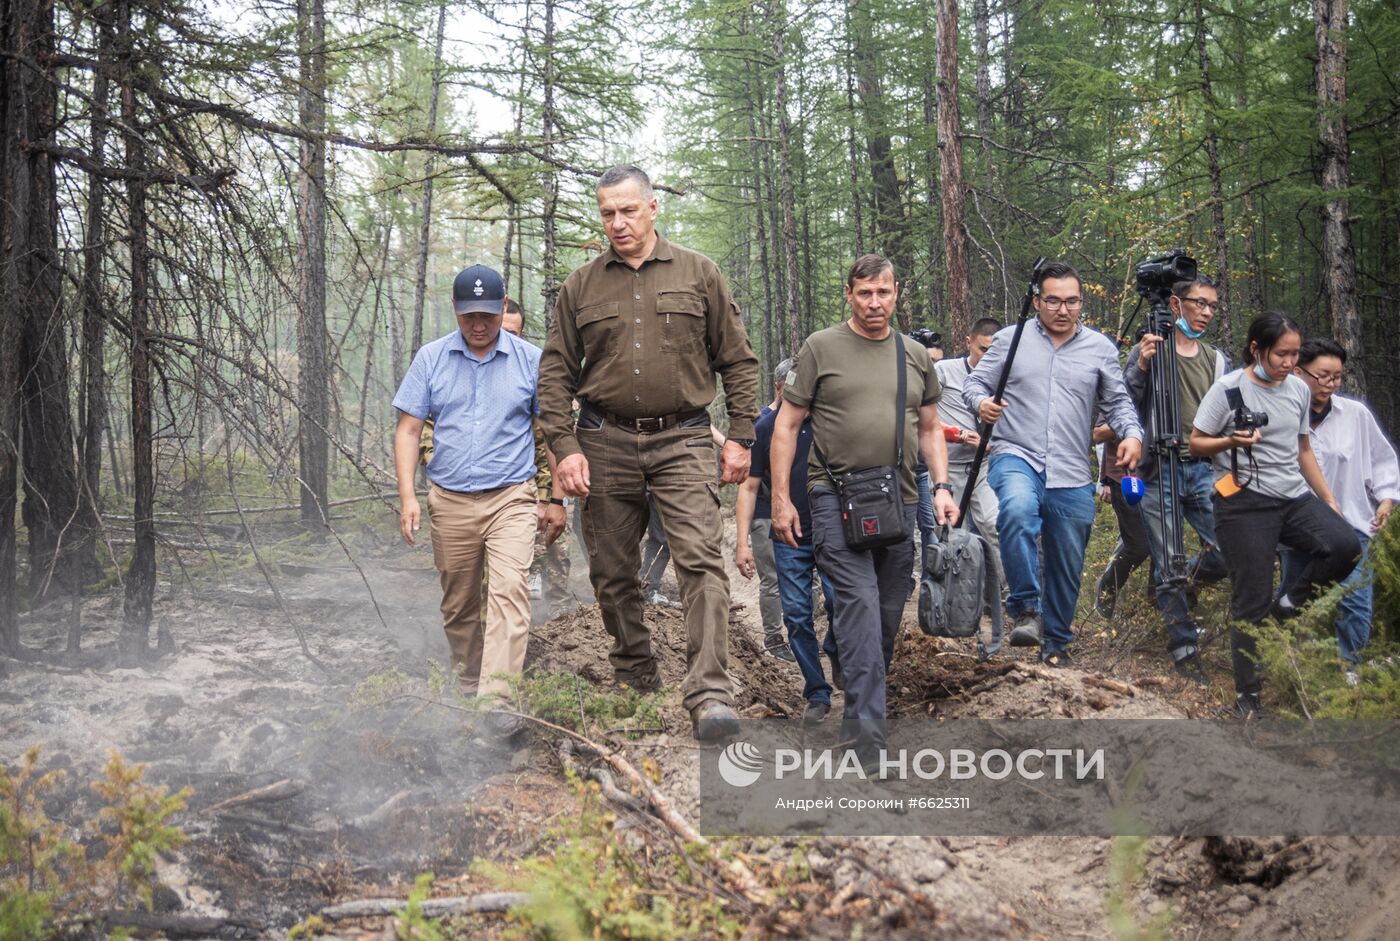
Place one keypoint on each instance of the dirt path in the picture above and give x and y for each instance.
(384, 777)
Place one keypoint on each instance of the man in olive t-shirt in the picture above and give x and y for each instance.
(847, 381)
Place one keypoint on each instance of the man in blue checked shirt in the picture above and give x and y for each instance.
(478, 386)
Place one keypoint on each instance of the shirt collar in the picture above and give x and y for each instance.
(660, 252)
(1078, 329)
(503, 346)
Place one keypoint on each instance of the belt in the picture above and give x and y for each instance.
(647, 425)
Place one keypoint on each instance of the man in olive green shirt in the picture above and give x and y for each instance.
(639, 335)
(847, 382)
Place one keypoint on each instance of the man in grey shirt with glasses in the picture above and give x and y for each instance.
(1062, 375)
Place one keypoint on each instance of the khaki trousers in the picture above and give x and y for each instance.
(678, 465)
(470, 531)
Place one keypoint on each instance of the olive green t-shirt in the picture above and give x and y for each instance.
(849, 384)
(1194, 375)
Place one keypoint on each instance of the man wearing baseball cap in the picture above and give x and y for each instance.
(477, 384)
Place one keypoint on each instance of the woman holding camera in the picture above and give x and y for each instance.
(1254, 423)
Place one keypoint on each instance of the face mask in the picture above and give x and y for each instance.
(1185, 328)
(1263, 376)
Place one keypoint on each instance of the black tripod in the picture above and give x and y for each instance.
(1166, 442)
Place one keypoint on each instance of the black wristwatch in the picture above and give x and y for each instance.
(742, 442)
(943, 486)
(556, 501)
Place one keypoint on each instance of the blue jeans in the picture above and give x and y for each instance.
(1354, 620)
(795, 570)
(1060, 518)
(1196, 485)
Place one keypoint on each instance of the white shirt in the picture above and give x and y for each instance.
(1357, 461)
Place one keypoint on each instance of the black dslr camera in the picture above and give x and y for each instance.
(1245, 421)
(1248, 422)
(1157, 276)
(926, 337)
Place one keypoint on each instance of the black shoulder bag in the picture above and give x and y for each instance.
(872, 508)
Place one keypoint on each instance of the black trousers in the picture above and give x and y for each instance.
(1132, 549)
(1249, 526)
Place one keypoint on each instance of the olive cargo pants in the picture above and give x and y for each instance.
(678, 464)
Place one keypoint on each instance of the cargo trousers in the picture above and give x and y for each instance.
(678, 466)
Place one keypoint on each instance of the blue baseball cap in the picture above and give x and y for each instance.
(478, 289)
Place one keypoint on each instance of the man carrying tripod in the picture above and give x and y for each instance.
(1039, 452)
(1197, 364)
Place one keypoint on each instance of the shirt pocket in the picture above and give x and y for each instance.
(682, 317)
(599, 325)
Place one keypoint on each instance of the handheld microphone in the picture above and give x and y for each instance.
(1133, 490)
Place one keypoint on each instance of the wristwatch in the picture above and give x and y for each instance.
(557, 501)
(742, 442)
(943, 486)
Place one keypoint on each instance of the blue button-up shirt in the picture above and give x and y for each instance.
(1051, 399)
(481, 410)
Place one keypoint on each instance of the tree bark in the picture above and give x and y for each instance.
(141, 574)
(548, 119)
(1219, 234)
(950, 167)
(29, 271)
(420, 279)
(891, 226)
(791, 315)
(751, 79)
(313, 374)
(50, 471)
(852, 155)
(1339, 259)
(981, 27)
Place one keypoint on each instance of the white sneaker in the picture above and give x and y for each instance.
(1353, 677)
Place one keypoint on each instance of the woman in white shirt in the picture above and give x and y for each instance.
(1361, 469)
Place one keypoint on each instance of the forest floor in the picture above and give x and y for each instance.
(380, 776)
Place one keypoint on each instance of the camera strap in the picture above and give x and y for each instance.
(1235, 400)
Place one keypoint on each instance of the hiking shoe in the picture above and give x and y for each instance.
(1105, 596)
(714, 721)
(502, 725)
(775, 646)
(1189, 666)
(1353, 677)
(814, 713)
(1247, 706)
(1029, 631)
(645, 683)
(1056, 659)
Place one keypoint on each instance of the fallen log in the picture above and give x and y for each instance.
(173, 926)
(1114, 686)
(432, 908)
(277, 791)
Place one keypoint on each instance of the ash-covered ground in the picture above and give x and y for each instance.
(377, 784)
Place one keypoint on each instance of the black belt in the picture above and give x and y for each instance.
(642, 425)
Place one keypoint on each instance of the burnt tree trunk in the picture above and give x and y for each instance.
(141, 574)
(1339, 259)
(950, 166)
(313, 368)
(420, 276)
(852, 155)
(29, 272)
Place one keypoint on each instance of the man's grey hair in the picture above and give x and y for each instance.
(616, 176)
(784, 370)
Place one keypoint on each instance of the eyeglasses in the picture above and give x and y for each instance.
(1202, 304)
(1326, 379)
(1055, 303)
